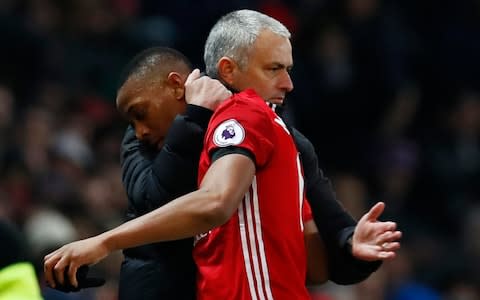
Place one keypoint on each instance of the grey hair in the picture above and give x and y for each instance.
(234, 34)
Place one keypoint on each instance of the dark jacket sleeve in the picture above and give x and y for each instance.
(153, 177)
(334, 223)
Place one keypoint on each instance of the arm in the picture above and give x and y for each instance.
(219, 194)
(317, 269)
(335, 225)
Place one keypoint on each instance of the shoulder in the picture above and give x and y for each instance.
(246, 101)
(129, 135)
(131, 147)
(246, 108)
(130, 144)
(244, 121)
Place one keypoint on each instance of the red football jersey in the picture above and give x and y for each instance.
(260, 252)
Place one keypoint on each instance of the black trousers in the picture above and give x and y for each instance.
(142, 279)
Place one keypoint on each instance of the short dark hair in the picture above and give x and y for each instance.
(161, 59)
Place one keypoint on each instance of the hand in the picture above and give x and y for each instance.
(62, 264)
(373, 239)
(204, 91)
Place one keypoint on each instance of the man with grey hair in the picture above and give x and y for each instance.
(234, 55)
(234, 35)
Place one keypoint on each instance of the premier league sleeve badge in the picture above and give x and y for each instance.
(228, 133)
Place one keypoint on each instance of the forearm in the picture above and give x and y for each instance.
(221, 190)
(187, 216)
(223, 186)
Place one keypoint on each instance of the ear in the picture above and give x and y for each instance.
(176, 82)
(226, 70)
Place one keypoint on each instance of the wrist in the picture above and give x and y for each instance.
(345, 239)
(107, 242)
(198, 114)
(349, 244)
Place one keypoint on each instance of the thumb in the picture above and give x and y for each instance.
(375, 211)
(194, 75)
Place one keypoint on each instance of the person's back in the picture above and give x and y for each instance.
(259, 252)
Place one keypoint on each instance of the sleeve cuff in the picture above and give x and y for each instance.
(343, 237)
(219, 152)
(366, 266)
(198, 114)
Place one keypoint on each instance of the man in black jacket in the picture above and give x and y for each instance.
(160, 163)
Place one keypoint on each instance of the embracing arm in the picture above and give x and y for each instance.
(221, 190)
(317, 268)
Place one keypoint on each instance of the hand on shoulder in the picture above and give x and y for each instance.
(205, 91)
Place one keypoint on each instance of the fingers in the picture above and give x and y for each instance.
(388, 250)
(194, 75)
(391, 247)
(389, 244)
(205, 91)
(57, 266)
(49, 263)
(65, 267)
(381, 252)
(376, 211)
(59, 272)
(385, 255)
(380, 228)
(72, 275)
(396, 236)
(388, 237)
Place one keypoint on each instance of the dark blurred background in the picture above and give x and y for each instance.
(388, 92)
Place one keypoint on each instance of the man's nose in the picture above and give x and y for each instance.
(141, 132)
(286, 82)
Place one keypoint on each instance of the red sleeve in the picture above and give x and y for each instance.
(242, 121)
(306, 211)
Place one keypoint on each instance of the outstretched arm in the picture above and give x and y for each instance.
(351, 258)
(220, 192)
